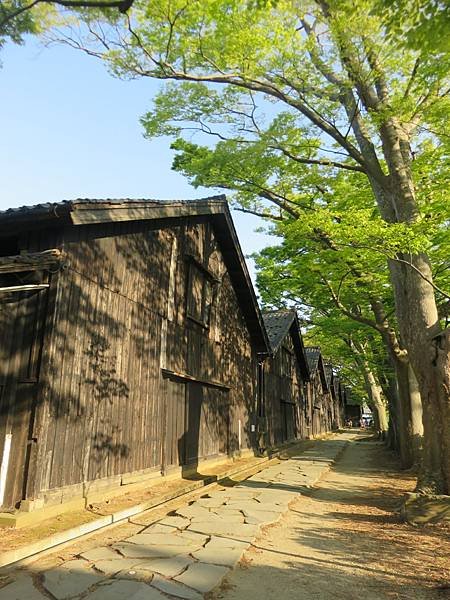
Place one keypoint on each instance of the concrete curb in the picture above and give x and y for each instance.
(123, 516)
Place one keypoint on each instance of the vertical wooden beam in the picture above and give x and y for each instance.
(172, 274)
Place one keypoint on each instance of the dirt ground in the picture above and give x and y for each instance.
(346, 541)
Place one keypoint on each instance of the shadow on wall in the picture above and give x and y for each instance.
(103, 360)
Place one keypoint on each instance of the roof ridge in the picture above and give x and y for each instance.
(280, 310)
(219, 198)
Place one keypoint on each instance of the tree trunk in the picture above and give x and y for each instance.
(390, 390)
(374, 393)
(428, 352)
(416, 309)
(416, 433)
(382, 425)
(403, 413)
(376, 420)
(398, 358)
(442, 360)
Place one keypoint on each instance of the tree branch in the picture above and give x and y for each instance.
(318, 161)
(261, 215)
(168, 71)
(402, 261)
(411, 78)
(349, 103)
(424, 277)
(387, 332)
(348, 313)
(122, 5)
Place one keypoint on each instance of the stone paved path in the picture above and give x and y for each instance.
(345, 541)
(185, 554)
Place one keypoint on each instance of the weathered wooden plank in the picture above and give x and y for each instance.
(30, 261)
(65, 409)
(35, 287)
(186, 377)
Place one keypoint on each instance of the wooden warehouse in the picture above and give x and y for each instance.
(318, 391)
(130, 338)
(338, 402)
(284, 375)
(328, 405)
(352, 408)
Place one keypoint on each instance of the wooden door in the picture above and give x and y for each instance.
(175, 443)
(21, 335)
(288, 420)
(214, 423)
(207, 422)
(194, 401)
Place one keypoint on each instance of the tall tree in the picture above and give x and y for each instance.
(348, 291)
(351, 93)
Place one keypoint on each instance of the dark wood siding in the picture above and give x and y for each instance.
(284, 395)
(129, 383)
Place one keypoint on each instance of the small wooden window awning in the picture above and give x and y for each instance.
(33, 261)
(185, 377)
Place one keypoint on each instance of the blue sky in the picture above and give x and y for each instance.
(71, 130)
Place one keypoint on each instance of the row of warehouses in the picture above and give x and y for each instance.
(132, 345)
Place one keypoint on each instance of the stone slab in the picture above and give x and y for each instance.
(258, 517)
(169, 567)
(194, 510)
(70, 579)
(176, 522)
(173, 588)
(227, 557)
(238, 492)
(239, 531)
(225, 542)
(232, 505)
(210, 502)
(194, 537)
(159, 539)
(126, 590)
(159, 528)
(203, 577)
(256, 484)
(135, 574)
(230, 516)
(112, 566)
(139, 551)
(21, 589)
(211, 517)
(101, 553)
(267, 507)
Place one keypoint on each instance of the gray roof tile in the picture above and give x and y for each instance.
(312, 356)
(277, 325)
